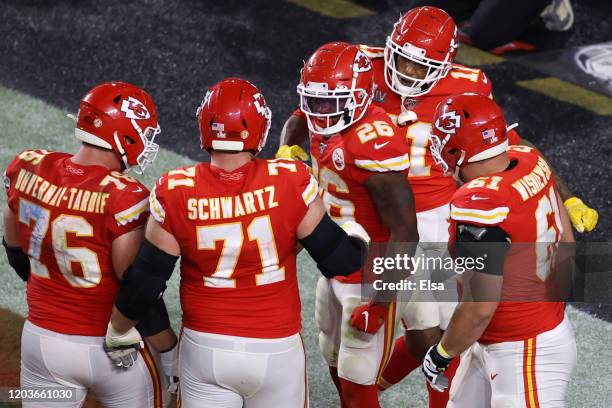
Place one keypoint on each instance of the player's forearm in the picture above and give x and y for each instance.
(295, 131)
(163, 341)
(468, 323)
(121, 323)
(394, 202)
(407, 232)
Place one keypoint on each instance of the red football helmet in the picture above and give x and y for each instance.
(120, 117)
(335, 87)
(426, 36)
(234, 117)
(467, 128)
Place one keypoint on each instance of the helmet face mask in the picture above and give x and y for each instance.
(450, 159)
(407, 85)
(335, 88)
(331, 111)
(149, 153)
(426, 36)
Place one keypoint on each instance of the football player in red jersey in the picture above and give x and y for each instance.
(412, 74)
(236, 222)
(360, 160)
(520, 353)
(72, 228)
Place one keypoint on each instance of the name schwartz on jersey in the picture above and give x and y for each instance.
(216, 208)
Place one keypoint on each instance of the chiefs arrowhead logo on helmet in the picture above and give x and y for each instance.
(362, 62)
(134, 109)
(260, 105)
(448, 123)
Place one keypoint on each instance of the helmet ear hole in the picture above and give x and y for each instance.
(128, 140)
(244, 123)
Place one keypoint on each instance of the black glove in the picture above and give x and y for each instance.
(434, 365)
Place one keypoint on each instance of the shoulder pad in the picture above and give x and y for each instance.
(118, 181)
(461, 79)
(284, 167)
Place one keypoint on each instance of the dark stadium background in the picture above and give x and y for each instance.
(57, 50)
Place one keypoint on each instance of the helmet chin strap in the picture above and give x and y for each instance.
(122, 153)
(456, 175)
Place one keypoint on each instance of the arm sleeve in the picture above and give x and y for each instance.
(379, 153)
(487, 244)
(477, 215)
(158, 204)
(155, 321)
(129, 209)
(305, 189)
(306, 184)
(479, 207)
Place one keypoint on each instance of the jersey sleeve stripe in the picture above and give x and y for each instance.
(132, 213)
(310, 193)
(393, 164)
(157, 211)
(494, 216)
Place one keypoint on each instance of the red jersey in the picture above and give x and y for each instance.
(343, 163)
(523, 202)
(430, 186)
(237, 234)
(68, 217)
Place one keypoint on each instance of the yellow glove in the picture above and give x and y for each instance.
(294, 152)
(583, 218)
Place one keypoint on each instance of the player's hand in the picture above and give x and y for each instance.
(355, 230)
(169, 362)
(434, 365)
(369, 317)
(583, 218)
(122, 348)
(294, 152)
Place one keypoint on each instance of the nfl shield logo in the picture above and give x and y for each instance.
(409, 103)
(489, 137)
(322, 147)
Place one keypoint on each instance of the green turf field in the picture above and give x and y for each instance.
(26, 123)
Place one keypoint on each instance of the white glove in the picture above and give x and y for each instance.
(354, 229)
(122, 348)
(170, 365)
